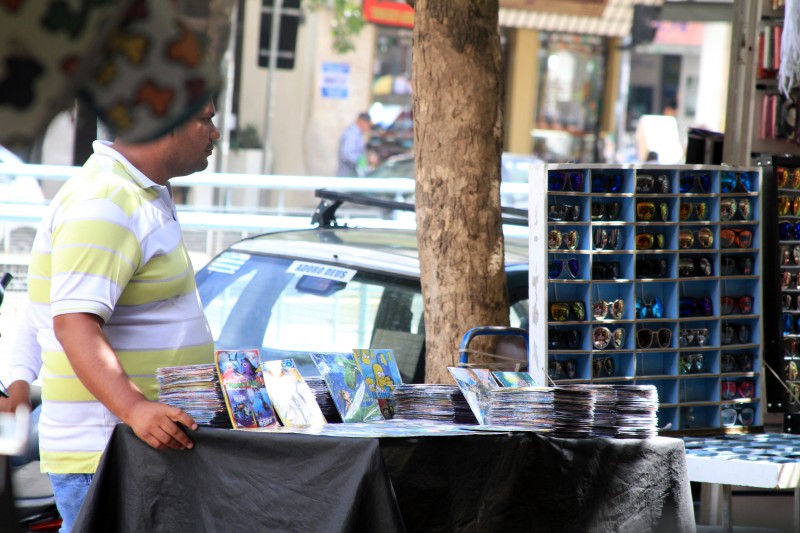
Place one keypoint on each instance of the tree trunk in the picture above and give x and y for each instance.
(458, 93)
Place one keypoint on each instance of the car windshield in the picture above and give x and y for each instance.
(289, 309)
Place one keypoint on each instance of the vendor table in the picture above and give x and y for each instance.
(763, 460)
(515, 481)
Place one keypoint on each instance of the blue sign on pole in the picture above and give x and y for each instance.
(335, 80)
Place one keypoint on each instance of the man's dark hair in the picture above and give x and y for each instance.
(365, 116)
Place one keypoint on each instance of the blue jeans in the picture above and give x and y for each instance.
(70, 491)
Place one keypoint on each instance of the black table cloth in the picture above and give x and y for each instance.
(247, 481)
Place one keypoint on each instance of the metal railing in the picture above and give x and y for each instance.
(209, 229)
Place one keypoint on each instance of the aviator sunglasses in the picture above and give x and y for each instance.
(558, 267)
(788, 178)
(735, 182)
(565, 181)
(695, 183)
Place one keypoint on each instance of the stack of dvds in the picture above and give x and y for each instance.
(323, 397)
(604, 422)
(637, 406)
(573, 412)
(196, 390)
(528, 407)
(443, 403)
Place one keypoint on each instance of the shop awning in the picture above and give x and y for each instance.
(615, 20)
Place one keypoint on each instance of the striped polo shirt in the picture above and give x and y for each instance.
(110, 245)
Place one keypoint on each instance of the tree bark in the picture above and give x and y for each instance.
(457, 99)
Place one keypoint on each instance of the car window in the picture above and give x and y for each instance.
(403, 168)
(288, 309)
(515, 170)
(289, 312)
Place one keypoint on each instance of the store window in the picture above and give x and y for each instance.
(391, 93)
(571, 79)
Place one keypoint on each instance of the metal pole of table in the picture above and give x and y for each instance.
(796, 517)
(727, 509)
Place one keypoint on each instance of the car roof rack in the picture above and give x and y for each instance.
(325, 213)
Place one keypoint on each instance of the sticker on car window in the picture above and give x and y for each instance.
(228, 262)
(321, 271)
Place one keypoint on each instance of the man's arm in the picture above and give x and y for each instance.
(96, 365)
(25, 367)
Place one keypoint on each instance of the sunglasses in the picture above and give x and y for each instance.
(608, 239)
(784, 176)
(569, 239)
(730, 304)
(563, 311)
(565, 181)
(694, 266)
(699, 209)
(704, 237)
(653, 308)
(742, 238)
(738, 389)
(789, 231)
(689, 306)
(603, 367)
(646, 183)
(603, 337)
(790, 256)
(741, 415)
(731, 207)
(791, 346)
(735, 182)
(735, 334)
(649, 241)
(560, 212)
(607, 270)
(693, 337)
(790, 279)
(651, 268)
(791, 370)
(606, 210)
(736, 266)
(563, 339)
(788, 204)
(690, 363)
(736, 363)
(697, 183)
(790, 327)
(654, 338)
(557, 267)
(607, 181)
(602, 309)
(790, 302)
(647, 211)
(562, 369)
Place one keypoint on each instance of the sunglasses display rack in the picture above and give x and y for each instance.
(786, 177)
(654, 278)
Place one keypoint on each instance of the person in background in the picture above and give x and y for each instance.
(113, 298)
(25, 368)
(353, 147)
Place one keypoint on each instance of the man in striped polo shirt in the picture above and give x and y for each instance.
(113, 297)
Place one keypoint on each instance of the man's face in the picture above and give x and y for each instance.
(194, 141)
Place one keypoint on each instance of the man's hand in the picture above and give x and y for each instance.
(97, 366)
(159, 425)
(19, 393)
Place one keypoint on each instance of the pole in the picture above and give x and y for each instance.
(226, 122)
(277, 8)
